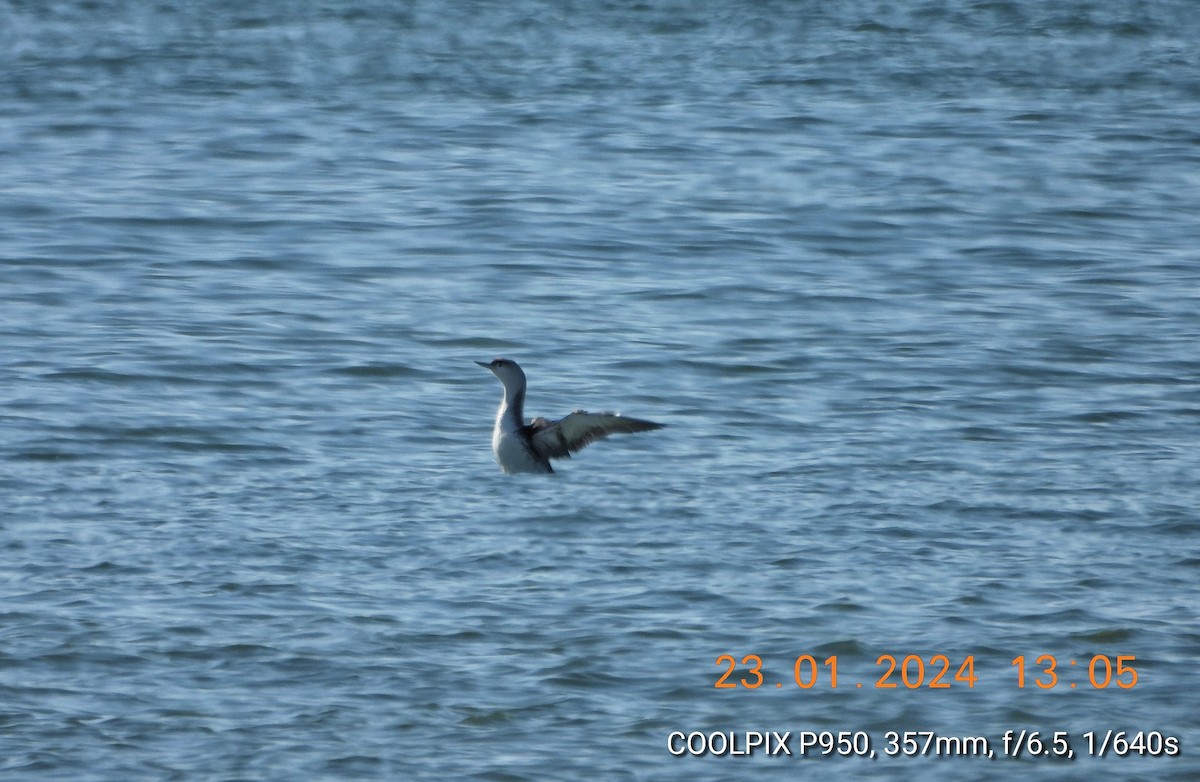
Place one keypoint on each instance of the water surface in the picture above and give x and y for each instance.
(914, 288)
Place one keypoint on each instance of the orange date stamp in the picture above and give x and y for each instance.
(937, 672)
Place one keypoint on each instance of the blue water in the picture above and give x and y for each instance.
(914, 286)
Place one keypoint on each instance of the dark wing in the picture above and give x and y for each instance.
(556, 439)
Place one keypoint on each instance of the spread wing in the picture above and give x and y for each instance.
(556, 439)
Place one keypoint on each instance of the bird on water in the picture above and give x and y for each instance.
(529, 447)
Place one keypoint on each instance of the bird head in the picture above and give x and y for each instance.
(506, 371)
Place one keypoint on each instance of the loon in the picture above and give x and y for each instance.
(522, 447)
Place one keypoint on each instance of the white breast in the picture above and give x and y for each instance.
(513, 453)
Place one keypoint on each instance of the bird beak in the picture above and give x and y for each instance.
(484, 364)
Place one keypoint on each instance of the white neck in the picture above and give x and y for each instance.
(510, 416)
